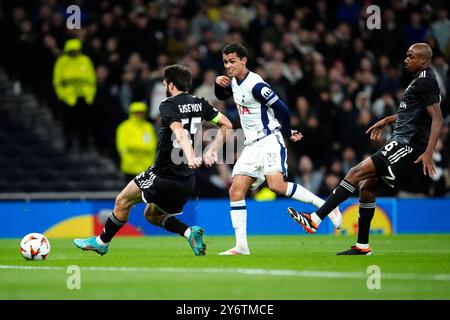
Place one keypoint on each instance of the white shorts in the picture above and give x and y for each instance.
(261, 158)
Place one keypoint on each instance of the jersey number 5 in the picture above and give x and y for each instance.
(195, 122)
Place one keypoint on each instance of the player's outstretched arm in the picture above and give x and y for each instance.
(186, 146)
(437, 121)
(376, 131)
(222, 88)
(225, 126)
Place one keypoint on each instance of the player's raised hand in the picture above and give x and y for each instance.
(296, 136)
(427, 162)
(195, 163)
(223, 81)
(210, 158)
(376, 131)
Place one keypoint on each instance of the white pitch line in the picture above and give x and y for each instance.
(249, 271)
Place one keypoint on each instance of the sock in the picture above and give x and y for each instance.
(366, 213)
(100, 242)
(187, 233)
(342, 192)
(112, 226)
(239, 220)
(172, 224)
(314, 217)
(362, 245)
(297, 192)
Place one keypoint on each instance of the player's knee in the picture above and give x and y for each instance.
(147, 214)
(278, 187)
(353, 175)
(151, 215)
(154, 220)
(366, 193)
(236, 193)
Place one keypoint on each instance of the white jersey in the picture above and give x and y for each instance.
(253, 98)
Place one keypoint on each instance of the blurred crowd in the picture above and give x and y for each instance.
(337, 76)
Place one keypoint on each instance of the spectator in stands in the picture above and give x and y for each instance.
(348, 11)
(74, 81)
(135, 81)
(206, 89)
(136, 141)
(383, 106)
(156, 88)
(441, 161)
(308, 177)
(383, 38)
(108, 114)
(441, 68)
(414, 31)
(319, 55)
(441, 30)
(349, 160)
(330, 182)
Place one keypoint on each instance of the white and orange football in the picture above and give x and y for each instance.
(35, 246)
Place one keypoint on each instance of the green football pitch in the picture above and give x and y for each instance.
(280, 267)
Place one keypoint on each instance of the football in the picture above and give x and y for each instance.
(35, 246)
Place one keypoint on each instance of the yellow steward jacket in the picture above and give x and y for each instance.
(136, 142)
(74, 77)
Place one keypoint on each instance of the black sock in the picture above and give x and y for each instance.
(172, 224)
(366, 212)
(342, 192)
(112, 226)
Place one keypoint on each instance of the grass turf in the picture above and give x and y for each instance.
(164, 268)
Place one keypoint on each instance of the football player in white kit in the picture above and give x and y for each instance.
(265, 120)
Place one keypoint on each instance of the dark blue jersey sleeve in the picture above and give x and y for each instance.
(268, 98)
(221, 92)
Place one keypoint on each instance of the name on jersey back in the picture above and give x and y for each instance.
(190, 107)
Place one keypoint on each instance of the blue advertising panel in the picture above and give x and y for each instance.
(60, 219)
(423, 215)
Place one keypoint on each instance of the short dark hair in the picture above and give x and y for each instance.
(237, 48)
(179, 75)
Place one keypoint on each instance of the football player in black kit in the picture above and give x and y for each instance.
(405, 161)
(168, 184)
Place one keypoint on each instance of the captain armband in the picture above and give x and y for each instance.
(216, 119)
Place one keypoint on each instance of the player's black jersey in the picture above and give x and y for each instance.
(413, 122)
(189, 111)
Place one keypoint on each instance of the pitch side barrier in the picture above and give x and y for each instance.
(82, 214)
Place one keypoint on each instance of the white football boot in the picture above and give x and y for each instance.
(236, 251)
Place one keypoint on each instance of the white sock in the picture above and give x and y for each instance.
(187, 233)
(314, 217)
(362, 246)
(239, 220)
(100, 242)
(299, 193)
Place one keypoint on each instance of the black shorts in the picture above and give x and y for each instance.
(170, 195)
(394, 164)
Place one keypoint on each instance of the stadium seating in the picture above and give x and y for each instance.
(30, 162)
